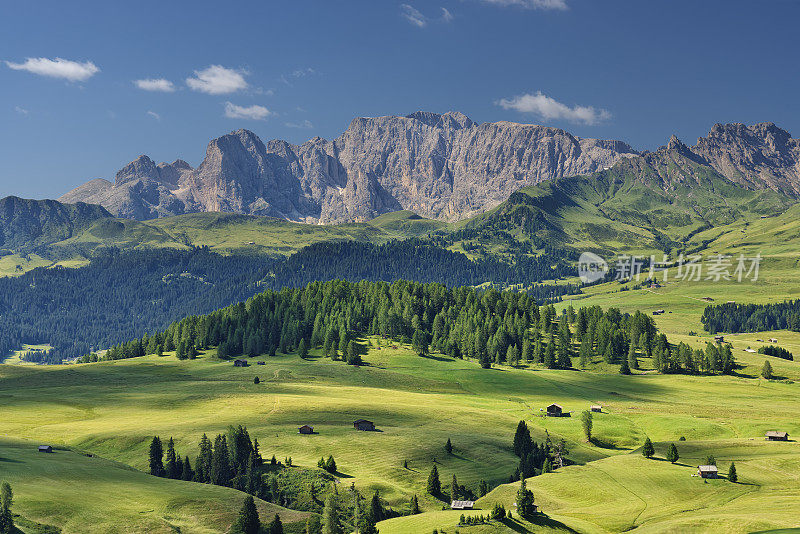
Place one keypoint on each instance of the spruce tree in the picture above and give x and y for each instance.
(171, 466)
(330, 516)
(732, 476)
(156, 457)
(483, 488)
(550, 353)
(624, 368)
(414, 506)
(6, 517)
(275, 526)
(248, 521)
(302, 349)
(647, 450)
(672, 453)
(448, 447)
(455, 492)
(434, 486)
(376, 512)
(187, 473)
(766, 370)
(525, 506)
(313, 525)
(586, 422)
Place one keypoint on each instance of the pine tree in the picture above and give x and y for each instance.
(248, 521)
(6, 517)
(624, 368)
(187, 473)
(256, 380)
(156, 457)
(550, 353)
(330, 516)
(204, 461)
(647, 450)
(455, 492)
(275, 526)
(302, 349)
(732, 476)
(376, 512)
(525, 506)
(766, 370)
(672, 453)
(448, 447)
(586, 422)
(330, 465)
(414, 506)
(483, 488)
(171, 466)
(434, 485)
(633, 361)
(313, 525)
(220, 463)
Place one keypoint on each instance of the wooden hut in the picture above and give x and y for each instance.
(363, 424)
(708, 471)
(462, 505)
(775, 435)
(596, 408)
(555, 410)
(306, 429)
(45, 448)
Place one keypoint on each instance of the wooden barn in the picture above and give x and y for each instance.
(556, 410)
(596, 408)
(708, 471)
(240, 363)
(45, 448)
(775, 435)
(462, 505)
(306, 429)
(363, 424)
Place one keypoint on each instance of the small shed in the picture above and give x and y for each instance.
(555, 410)
(363, 424)
(462, 505)
(775, 435)
(596, 408)
(261, 363)
(708, 471)
(306, 429)
(45, 448)
(773, 340)
(240, 363)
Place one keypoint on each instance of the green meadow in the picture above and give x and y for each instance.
(112, 409)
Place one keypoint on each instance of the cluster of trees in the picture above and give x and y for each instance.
(328, 465)
(778, 352)
(535, 458)
(462, 322)
(232, 460)
(458, 492)
(6, 518)
(249, 522)
(732, 317)
(118, 296)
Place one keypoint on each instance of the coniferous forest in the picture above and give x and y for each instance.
(731, 317)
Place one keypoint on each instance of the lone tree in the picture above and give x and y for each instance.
(248, 521)
(732, 476)
(302, 349)
(414, 505)
(672, 453)
(256, 380)
(710, 460)
(648, 451)
(448, 446)
(525, 506)
(434, 485)
(6, 519)
(766, 370)
(156, 457)
(586, 421)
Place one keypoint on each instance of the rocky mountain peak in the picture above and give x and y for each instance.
(141, 167)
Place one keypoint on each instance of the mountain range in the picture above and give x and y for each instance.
(445, 167)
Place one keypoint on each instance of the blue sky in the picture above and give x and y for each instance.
(163, 78)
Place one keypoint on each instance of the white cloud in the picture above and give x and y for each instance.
(446, 15)
(21, 111)
(560, 5)
(155, 84)
(548, 109)
(303, 125)
(217, 80)
(413, 16)
(57, 68)
(254, 112)
(153, 114)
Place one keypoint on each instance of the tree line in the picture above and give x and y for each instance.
(732, 317)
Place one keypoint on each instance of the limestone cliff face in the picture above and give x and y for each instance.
(755, 156)
(440, 166)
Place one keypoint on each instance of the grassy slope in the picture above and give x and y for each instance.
(113, 408)
(94, 494)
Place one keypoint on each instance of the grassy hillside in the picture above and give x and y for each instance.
(112, 408)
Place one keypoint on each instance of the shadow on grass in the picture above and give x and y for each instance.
(603, 444)
(540, 519)
(10, 460)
